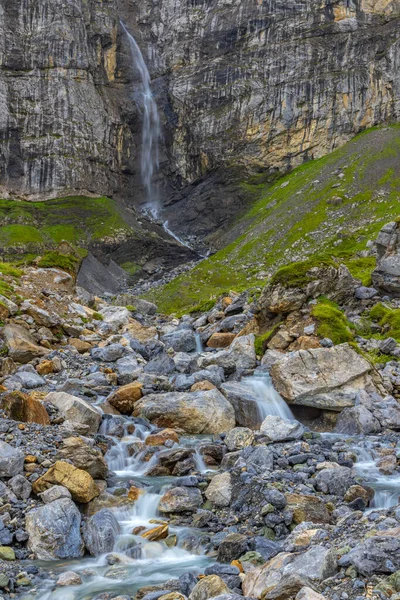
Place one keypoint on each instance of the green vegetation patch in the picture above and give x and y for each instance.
(331, 322)
(66, 262)
(329, 207)
(297, 274)
(361, 268)
(388, 318)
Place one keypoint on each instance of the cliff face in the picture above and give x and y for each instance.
(243, 86)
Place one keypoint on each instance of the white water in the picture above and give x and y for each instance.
(176, 237)
(269, 402)
(151, 130)
(199, 343)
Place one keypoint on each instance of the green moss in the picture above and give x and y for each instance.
(131, 308)
(203, 307)
(378, 312)
(361, 268)
(261, 341)
(19, 235)
(331, 322)
(298, 274)
(7, 269)
(97, 316)
(66, 262)
(6, 289)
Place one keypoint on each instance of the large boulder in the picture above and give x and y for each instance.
(386, 276)
(355, 420)
(325, 378)
(115, 317)
(281, 430)
(75, 410)
(21, 407)
(317, 564)
(307, 508)
(335, 480)
(379, 554)
(209, 587)
(11, 460)
(244, 401)
(197, 412)
(181, 340)
(84, 457)
(54, 530)
(78, 482)
(180, 499)
(22, 346)
(240, 356)
(100, 532)
(125, 397)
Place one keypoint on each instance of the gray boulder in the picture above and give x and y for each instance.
(100, 532)
(240, 356)
(219, 491)
(335, 481)
(376, 555)
(239, 438)
(181, 499)
(75, 410)
(110, 353)
(54, 530)
(21, 487)
(387, 411)
(357, 419)
(181, 340)
(244, 401)
(11, 460)
(386, 276)
(281, 430)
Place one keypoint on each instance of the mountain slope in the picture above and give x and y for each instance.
(333, 205)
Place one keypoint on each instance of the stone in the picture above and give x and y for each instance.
(22, 346)
(358, 491)
(180, 499)
(100, 532)
(240, 356)
(80, 345)
(325, 378)
(386, 276)
(55, 492)
(281, 430)
(376, 555)
(232, 547)
(221, 340)
(387, 411)
(181, 340)
(11, 460)
(45, 367)
(115, 316)
(156, 533)
(209, 587)
(355, 420)
(202, 386)
(196, 412)
(54, 531)
(84, 457)
(307, 508)
(75, 410)
(108, 354)
(159, 439)
(69, 578)
(125, 397)
(219, 491)
(239, 438)
(21, 407)
(244, 401)
(78, 482)
(334, 481)
(21, 487)
(365, 293)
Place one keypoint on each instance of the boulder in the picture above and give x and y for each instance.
(197, 412)
(316, 565)
(232, 547)
(386, 276)
(335, 481)
(54, 531)
(75, 410)
(219, 491)
(239, 438)
(110, 353)
(20, 486)
(244, 401)
(159, 438)
(181, 340)
(281, 430)
(84, 457)
(379, 554)
(11, 460)
(21, 407)
(355, 420)
(78, 482)
(240, 356)
(209, 587)
(307, 508)
(181, 499)
(80, 345)
(69, 578)
(55, 492)
(307, 593)
(221, 340)
(115, 317)
(387, 411)
(22, 346)
(100, 532)
(125, 397)
(325, 378)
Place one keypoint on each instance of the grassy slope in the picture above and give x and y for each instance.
(32, 226)
(333, 205)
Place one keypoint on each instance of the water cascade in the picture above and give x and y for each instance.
(151, 130)
(269, 402)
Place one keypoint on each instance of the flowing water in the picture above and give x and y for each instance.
(151, 129)
(269, 402)
(199, 343)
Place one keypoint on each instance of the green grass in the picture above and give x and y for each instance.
(331, 322)
(7, 269)
(387, 318)
(66, 262)
(298, 274)
(294, 219)
(261, 341)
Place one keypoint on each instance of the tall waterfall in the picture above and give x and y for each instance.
(151, 130)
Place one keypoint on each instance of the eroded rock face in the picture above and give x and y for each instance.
(317, 378)
(386, 276)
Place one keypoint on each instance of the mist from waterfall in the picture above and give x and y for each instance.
(151, 129)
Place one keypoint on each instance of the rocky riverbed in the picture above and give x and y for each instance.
(238, 452)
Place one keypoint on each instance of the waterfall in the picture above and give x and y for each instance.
(151, 130)
(269, 402)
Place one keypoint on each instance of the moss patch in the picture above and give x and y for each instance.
(66, 262)
(331, 322)
(297, 274)
(387, 318)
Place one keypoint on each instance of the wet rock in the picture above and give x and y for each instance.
(11, 460)
(209, 587)
(232, 547)
(180, 499)
(156, 533)
(22, 346)
(196, 412)
(69, 578)
(75, 410)
(54, 530)
(281, 430)
(125, 397)
(219, 492)
(159, 438)
(21, 407)
(100, 532)
(244, 402)
(78, 482)
(327, 378)
(83, 457)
